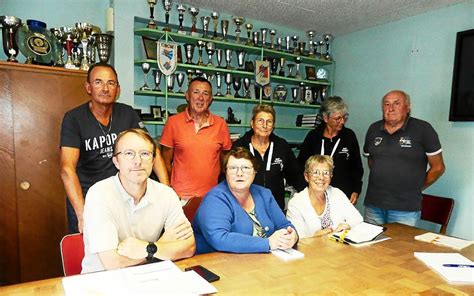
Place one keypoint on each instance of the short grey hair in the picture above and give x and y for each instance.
(333, 105)
(324, 159)
(402, 93)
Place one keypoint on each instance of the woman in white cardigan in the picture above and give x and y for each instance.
(320, 208)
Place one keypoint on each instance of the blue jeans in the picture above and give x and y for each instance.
(380, 216)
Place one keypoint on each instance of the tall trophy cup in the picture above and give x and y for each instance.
(200, 44)
(228, 58)
(328, 38)
(287, 43)
(151, 22)
(157, 77)
(189, 50)
(181, 10)
(264, 36)
(311, 34)
(210, 49)
(237, 83)
(219, 54)
(247, 87)
(238, 21)
(10, 25)
(225, 29)
(67, 37)
(103, 43)
(215, 21)
(295, 38)
(218, 84)
(167, 5)
(205, 26)
(249, 28)
(84, 31)
(57, 33)
(255, 38)
(228, 81)
(298, 61)
(180, 81)
(145, 68)
(282, 67)
(272, 38)
(193, 11)
(241, 58)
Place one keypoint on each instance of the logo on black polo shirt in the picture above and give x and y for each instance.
(377, 141)
(405, 142)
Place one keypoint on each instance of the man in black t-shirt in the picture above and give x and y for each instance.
(88, 134)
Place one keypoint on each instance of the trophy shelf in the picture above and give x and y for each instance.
(238, 125)
(236, 72)
(175, 95)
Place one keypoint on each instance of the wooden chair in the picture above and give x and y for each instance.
(437, 209)
(191, 207)
(72, 253)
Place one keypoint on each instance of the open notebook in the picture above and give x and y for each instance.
(362, 232)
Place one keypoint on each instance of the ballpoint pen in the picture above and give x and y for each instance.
(459, 265)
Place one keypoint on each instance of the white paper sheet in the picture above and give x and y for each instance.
(452, 274)
(443, 240)
(157, 278)
(288, 254)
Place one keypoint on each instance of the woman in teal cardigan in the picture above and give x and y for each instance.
(238, 217)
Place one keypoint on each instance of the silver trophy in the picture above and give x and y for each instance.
(294, 94)
(67, 40)
(238, 21)
(219, 53)
(189, 49)
(84, 32)
(287, 43)
(290, 70)
(190, 73)
(279, 43)
(59, 61)
(247, 87)
(10, 26)
(237, 83)
(180, 81)
(298, 61)
(282, 67)
(228, 81)
(215, 21)
(193, 11)
(151, 22)
(264, 36)
(311, 34)
(167, 5)
(228, 58)
(241, 58)
(210, 49)
(328, 38)
(225, 29)
(181, 10)
(170, 82)
(205, 26)
(295, 38)
(255, 38)
(157, 77)
(249, 28)
(301, 48)
(218, 84)
(319, 50)
(272, 38)
(145, 68)
(200, 44)
(103, 43)
(273, 65)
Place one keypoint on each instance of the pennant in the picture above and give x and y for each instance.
(262, 72)
(167, 54)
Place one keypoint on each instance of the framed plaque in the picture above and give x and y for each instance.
(150, 48)
(310, 73)
(156, 112)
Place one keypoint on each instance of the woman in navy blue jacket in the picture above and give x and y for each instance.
(239, 217)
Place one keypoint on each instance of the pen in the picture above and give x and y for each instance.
(459, 265)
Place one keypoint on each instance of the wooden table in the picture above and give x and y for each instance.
(388, 267)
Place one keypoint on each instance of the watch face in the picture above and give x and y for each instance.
(151, 250)
(322, 74)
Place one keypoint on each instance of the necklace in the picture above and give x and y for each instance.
(110, 126)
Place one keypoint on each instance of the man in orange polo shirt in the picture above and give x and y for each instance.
(193, 142)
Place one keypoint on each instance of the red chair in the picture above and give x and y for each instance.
(191, 207)
(72, 253)
(437, 209)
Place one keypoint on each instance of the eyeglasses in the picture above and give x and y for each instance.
(98, 83)
(262, 122)
(345, 117)
(130, 154)
(317, 173)
(233, 169)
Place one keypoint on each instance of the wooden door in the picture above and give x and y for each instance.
(40, 97)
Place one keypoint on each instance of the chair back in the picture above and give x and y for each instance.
(72, 253)
(437, 209)
(191, 207)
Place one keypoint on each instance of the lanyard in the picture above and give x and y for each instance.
(333, 149)
(270, 154)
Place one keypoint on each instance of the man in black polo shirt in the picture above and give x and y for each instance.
(398, 148)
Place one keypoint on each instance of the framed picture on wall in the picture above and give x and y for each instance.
(157, 112)
(462, 92)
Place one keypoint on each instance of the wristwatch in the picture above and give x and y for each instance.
(151, 249)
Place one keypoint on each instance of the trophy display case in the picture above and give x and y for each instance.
(229, 62)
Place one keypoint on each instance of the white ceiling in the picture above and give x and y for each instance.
(337, 17)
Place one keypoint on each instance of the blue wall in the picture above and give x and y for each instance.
(415, 54)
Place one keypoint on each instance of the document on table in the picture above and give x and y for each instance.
(443, 240)
(452, 274)
(362, 232)
(157, 278)
(288, 254)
